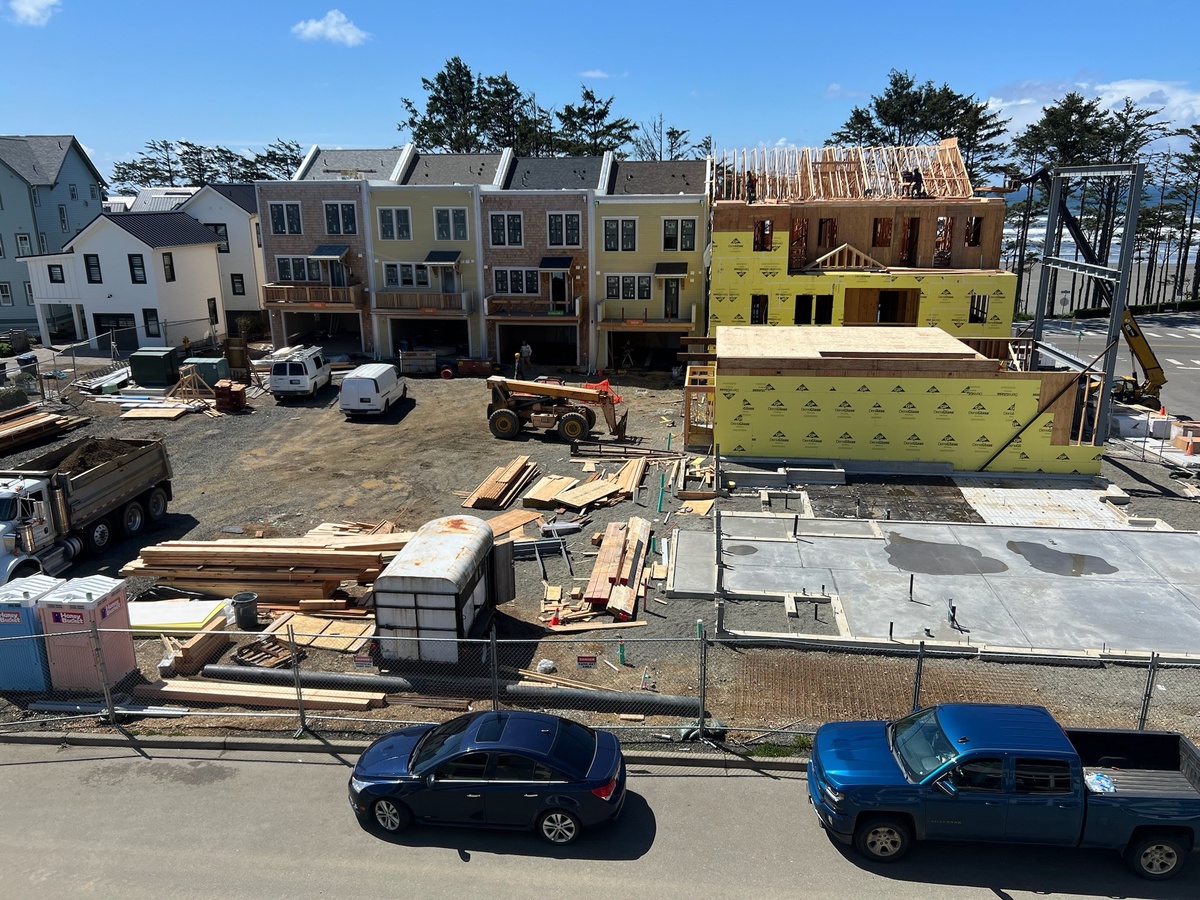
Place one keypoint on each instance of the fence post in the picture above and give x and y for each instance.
(703, 679)
(296, 679)
(98, 655)
(1151, 672)
(495, 666)
(916, 704)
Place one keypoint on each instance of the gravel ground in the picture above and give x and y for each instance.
(283, 468)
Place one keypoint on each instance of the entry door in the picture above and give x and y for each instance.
(1046, 806)
(123, 329)
(979, 809)
(671, 298)
(912, 235)
(337, 274)
(558, 289)
(449, 281)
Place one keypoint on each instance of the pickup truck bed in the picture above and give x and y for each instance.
(1147, 783)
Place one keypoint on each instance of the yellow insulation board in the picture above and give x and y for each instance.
(946, 420)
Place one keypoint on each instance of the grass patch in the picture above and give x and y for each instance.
(798, 745)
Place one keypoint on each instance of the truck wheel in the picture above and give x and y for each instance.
(156, 505)
(1156, 857)
(504, 424)
(99, 536)
(883, 839)
(25, 570)
(591, 417)
(133, 518)
(572, 426)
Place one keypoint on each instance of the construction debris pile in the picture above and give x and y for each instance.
(28, 424)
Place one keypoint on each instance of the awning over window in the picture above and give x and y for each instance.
(330, 251)
(670, 270)
(555, 263)
(443, 257)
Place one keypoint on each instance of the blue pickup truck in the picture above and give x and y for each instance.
(991, 772)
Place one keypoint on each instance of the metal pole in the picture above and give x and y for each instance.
(98, 654)
(703, 676)
(1151, 672)
(916, 704)
(296, 678)
(495, 666)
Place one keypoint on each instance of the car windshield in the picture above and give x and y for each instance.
(574, 746)
(920, 743)
(8, 508)
(444, 737)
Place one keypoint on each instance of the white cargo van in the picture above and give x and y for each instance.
(300, 374)
(372, 389)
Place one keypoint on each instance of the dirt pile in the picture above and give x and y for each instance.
(94, 452)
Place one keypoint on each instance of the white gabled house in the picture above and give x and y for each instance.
(139, 279)
(231, 211)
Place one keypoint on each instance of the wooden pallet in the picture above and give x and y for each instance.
(267, 652)
(324, 634)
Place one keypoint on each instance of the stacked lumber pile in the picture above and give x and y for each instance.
(619, 576)
(190, 656)
(500, 488)
(232, 693)
(27, 424)
(629, 478)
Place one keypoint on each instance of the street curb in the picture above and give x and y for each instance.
(334, 748)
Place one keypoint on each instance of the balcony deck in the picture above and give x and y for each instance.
(503, 306)
(405, 304)
(313, 296)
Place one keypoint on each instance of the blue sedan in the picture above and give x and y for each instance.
(492, 770)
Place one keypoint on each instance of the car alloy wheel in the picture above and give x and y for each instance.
(559, 827)
(390, 815)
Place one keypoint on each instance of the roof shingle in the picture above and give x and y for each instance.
(554, 173)
(163, 229)
(676, 176)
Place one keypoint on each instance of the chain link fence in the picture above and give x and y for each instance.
(337, 683)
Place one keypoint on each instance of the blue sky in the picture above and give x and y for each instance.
(241, 73)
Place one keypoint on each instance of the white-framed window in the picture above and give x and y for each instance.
(55, 273)
(679, 234)
(285, 218)
(28, 294)
(258, 233)
(5, 294)
(74, 191)
(92, 190)
(150, 321)
(395, 223)
(562, 229)
(341, 218)
(298, 268)
(1, 246)
(137, 268)
(37, 198)
(24, 247)
(450, 223)
(627, 287)
(221, 230)
(42, 242)
(507, 229)
(64, 221)
(238, 283)
(620, 234)
(168, 267)
(515, 281)
(405, 275)
(391, 275)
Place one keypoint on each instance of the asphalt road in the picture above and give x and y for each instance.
(1174, 337)
(112, 823)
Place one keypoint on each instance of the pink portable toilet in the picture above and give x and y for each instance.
(67, 614)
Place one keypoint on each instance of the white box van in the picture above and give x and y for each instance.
(300, 374)
(372, 389)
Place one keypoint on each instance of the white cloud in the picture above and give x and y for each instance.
(1024, 101)
(33, 12)
(334, 27)
(594, 73)
(837, 91)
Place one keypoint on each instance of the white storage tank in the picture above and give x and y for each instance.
(436, 587)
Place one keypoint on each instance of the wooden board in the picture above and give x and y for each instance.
(591, 626)
(579, 497)
(511, 521)
(155, 412)
(231, 693)
(542, 495)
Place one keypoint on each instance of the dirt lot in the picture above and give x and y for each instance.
(280, 469)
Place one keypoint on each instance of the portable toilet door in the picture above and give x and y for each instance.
(23, 665)
(67, 615)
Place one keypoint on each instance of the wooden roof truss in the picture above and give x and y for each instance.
(846, 257)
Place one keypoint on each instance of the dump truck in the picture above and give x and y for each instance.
(81, 496)
(551, 405)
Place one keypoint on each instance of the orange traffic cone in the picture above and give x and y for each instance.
(555, 620)
(1190, 449)
(1162, 410)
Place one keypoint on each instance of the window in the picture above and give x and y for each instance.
(238, 281)
(516, 281)
(74, 191)
(511, 767)
(679, 234)
(1, 201)
(620, 234)
(450, 223)
(168, 267)
(827, 232)
(1043, 776)
(285, 218)
(298, 268)
(1, 246)
(91, 262)
(395, 224)
(221, 231)
(758, 309)
(258, 233)
(137, 268)
(340, 218)
(974, 230)
(28, 294)
(64, 221)
(5, 294)
(24, 247)
(979, 775)
(37, 200)
(979, 309)
(562, 229)
(92, 191)
(943, 241)
(506, 229)
(212, 311)
(764, 232)
(468, 767)
(55, 273)
(150, 321)
(881, 232)
(627, 287)
(391, 275)
(410, 275)
(42, 241)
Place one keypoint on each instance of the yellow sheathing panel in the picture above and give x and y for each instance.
(956, 420)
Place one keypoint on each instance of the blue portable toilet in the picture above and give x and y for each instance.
(23, 664)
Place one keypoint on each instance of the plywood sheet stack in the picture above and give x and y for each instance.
(500, 488)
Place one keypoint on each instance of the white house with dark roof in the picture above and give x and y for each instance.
(231, 211)
(147, 279)
(49, 190)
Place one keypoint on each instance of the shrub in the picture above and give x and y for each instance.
(12, 396)
(251, 327)
(5, 350)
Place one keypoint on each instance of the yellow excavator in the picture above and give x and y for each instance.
(1127, 388)
(552, 405)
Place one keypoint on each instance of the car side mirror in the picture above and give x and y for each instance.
(947, 787)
